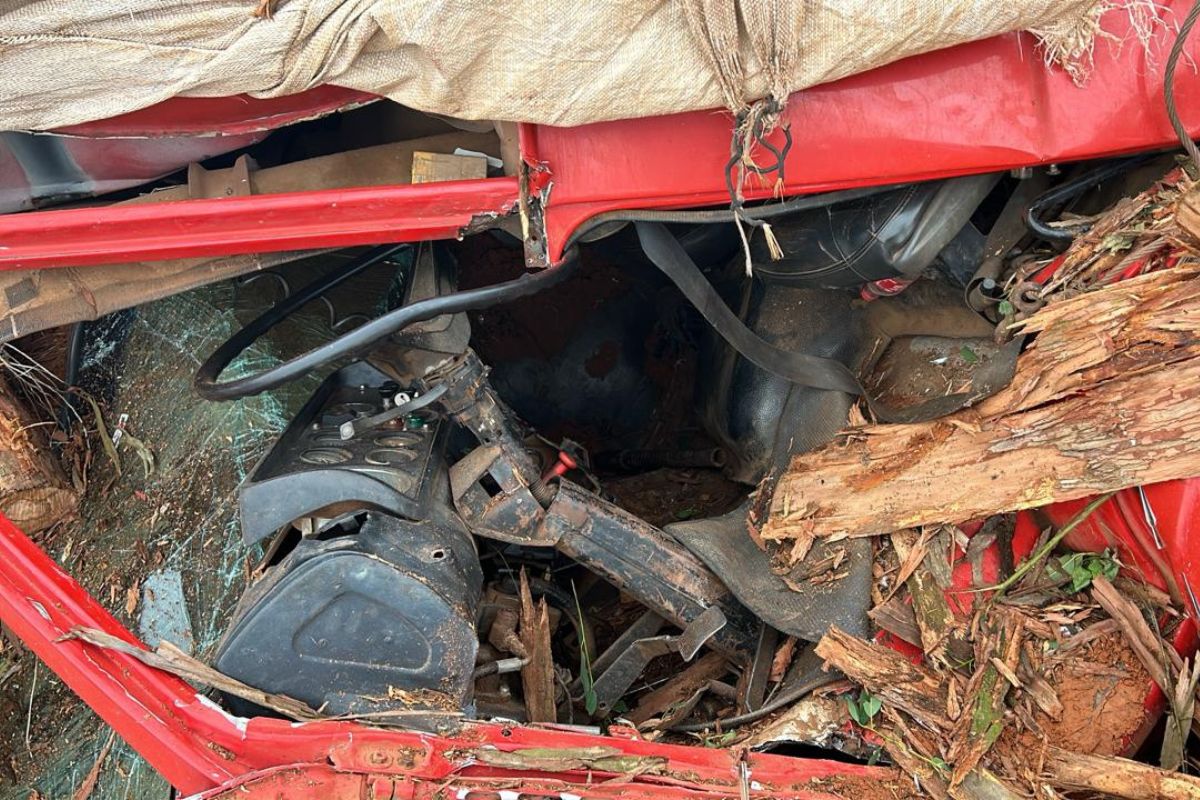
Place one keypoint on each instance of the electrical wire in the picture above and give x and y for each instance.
(1181, 131)
(806, 687)
(765, 211)
(1071, 188)
(351, 428)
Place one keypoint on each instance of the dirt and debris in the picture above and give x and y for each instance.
(987, 678)
(672, 495)
(35, 493)
(1139, 234)
(916, 369)
(1053, 673)
(882, 787)
(1101, 689)
(182, 516)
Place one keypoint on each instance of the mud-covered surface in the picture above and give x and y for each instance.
(671, 495)
(916, 369)
(1103, 689)
(889, 785)
(177, 514)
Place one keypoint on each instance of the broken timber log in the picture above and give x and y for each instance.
(34, 492)
(1107, 397)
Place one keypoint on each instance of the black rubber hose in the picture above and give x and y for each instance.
(1070, 189)
(208, 387)
(714, 215)
(361, 337)
(71, 374)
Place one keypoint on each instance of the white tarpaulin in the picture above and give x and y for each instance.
(548, 61)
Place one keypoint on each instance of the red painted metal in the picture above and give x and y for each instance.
(1134, 524)
(200, 748)
(321, 782)
(109, 165)
(292, 221)
(130, 150)
(984, 106)
(981, 107)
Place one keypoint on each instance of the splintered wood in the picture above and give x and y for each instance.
(1010, 722)
(1106, 397)
(34, 493)
(537, 676)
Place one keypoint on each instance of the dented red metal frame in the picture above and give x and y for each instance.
(980, 107)
(257, 223)
(199, 748)
(985, 106)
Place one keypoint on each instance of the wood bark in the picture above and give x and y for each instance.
(680, 688)
(1187, 215)
(1106, 397)
(34, 493)
(901, 684)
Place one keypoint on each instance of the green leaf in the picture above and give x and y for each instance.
(856, 712)
(721, 741)
(968, 355)
(590, 701)
(1080, 580)
(863, 708)
(1080, 569)
(1116, 242)
(1111, 568)
(1005, 308)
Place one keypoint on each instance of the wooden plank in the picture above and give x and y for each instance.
(435, 167)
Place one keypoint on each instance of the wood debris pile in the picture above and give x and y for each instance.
(1137, 235)
(1021, 689)
(35, 494)
(1043, 681)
